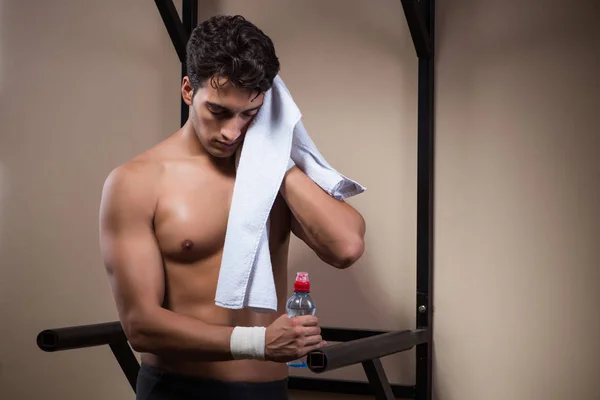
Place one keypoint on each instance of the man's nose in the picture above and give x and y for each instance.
(232, 129)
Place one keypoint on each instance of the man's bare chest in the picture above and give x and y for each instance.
(190, 221)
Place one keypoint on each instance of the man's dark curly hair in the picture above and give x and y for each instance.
(232, 48)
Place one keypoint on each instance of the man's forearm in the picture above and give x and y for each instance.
(334, 229)
(165, 333)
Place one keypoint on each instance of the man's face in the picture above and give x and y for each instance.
(221, 116)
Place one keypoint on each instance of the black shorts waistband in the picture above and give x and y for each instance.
(158, 384)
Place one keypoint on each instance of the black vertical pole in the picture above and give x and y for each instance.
(378, 379)
(425, 217)
(126, 359)
(189, 18)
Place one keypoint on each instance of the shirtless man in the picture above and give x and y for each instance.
(163, 218)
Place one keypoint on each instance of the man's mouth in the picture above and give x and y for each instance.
(228, 145)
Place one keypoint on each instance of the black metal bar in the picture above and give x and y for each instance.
(356, 351)
(345, 387)
(364, 346)
(174, 26)
(417, 26)
(115, 330)
(189, 17)
(111, 333)
(77, 337)
(378, 379)
(425, 196)
(346, 335)
(126, 359)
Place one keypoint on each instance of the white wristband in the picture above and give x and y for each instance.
(248, 343)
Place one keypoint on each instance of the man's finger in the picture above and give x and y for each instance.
(312, 330)
(312, 340)
(314, 347)
(307, 320)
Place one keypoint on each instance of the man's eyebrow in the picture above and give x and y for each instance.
(215, 105)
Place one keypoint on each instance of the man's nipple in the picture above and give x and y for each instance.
(187, 245)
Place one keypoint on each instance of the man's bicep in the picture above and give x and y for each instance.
(134, 268)
(129, 248)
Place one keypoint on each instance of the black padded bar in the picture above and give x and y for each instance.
(378, 379)
(78, 337)
(346, 335)
(126, 359)
(174, 26)
(342, 386)
(356, 351)
(417, 27)
(57, 339)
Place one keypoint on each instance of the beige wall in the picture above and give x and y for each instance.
(518, 190)
(86, 85)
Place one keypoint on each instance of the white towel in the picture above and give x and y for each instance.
(276, 135)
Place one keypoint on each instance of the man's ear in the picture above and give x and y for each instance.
(187, 91)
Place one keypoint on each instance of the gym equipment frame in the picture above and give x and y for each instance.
(357, 346)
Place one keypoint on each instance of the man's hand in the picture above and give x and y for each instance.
(288, 339)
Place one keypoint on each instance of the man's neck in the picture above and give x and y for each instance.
(196, 149)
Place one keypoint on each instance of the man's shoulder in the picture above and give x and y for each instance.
(140, 169)
(134, 180)
(142, 174)
(147, 165)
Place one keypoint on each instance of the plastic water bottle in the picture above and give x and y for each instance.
(300, 304)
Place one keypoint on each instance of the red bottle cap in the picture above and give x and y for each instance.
(302, 283)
